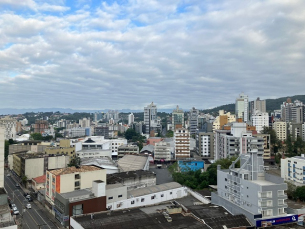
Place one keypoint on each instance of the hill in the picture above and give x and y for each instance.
(271, 104)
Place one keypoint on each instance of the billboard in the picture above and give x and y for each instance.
(276, 221)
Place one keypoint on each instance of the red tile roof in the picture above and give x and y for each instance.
(41, 179)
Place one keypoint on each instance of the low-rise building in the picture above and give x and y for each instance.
(102, 162)
(79, 202)
(70, 179)
(39, 183)
(94, 153)
(127, 149)
(63, 148)
(133, 162)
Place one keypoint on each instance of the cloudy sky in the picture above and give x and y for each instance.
(84, 54)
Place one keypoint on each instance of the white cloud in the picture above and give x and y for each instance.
(170, 52)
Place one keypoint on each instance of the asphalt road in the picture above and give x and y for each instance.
(31, 218)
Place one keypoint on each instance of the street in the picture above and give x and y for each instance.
(30, 218)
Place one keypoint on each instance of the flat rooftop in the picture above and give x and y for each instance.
(104, 162)
(76, 193)
(73, 169)
(262, 182)
(136, 218)
(120, 177)
(132, 162)
(153, 189)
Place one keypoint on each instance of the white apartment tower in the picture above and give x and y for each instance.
(280, 129)
(259, 120)
(182, 143)
(130, 119)
(150, 118)
(242, 107)
(9, 125)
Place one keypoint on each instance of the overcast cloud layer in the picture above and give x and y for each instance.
(125, 54)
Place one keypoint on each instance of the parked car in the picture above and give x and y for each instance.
(28, 206)
(30, 199)
(8, 175)
(15, 211)
(17, 185)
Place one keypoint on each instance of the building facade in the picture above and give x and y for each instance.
(162, 151)
(177, 118)
(260, 120)
(280, 129)
(205, 144)
(292, 169)
(242, 107)
(193, 120)
(223, 119)
(130, 119)
(151, 121)
(9, 125)
(127, 149)
(182, 143)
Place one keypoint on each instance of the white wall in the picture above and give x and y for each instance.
(58, 162)
(86, 178)
(167, 196)
(34, 167)
(75, 224)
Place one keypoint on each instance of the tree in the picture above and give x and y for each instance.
(36, 136)
(130, 133)
(290, 190)
(169, 134)
(75, 161)
(24, 179)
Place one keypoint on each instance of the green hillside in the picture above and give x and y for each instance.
(271, 104)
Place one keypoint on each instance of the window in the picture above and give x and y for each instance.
(77, 176)
(76, 184)
(152, 197)
(142, 199)
(132, 202)
(78, 209)
(162, 195)
(110, 197)
(171, 193)
(120, 196)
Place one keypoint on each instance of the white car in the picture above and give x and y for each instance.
(28, 206)
(15, 211)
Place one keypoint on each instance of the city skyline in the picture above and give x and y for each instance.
(91, 54)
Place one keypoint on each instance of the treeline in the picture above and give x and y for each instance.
(294, 192)
(198, 179)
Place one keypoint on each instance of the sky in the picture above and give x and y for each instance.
(84, 54)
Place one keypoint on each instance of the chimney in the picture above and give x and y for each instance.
(99, 188)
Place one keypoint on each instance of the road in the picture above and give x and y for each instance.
(30, 218)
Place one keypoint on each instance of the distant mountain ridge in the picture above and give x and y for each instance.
(271, 104)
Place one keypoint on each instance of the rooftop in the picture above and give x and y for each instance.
(73, 169)
(112, 186)
(40, 179)
(262, 182)
(104, 162)
(120, 177)
(137, 218)
(154, 189)
(132, 162)
(77, 193)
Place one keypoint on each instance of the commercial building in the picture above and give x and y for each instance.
(102, 162)
(127, 149)
(162, 151)
(266, 138)
(177, 118)
(242, 107)
(79, 202)
(182, 143)
(205, 144)
(260, 120)
(292, 169)
(70, 179)
(64, 148)
(151, 121)
(9, 125)
(280, 129)
(250, 191)
(193, 120)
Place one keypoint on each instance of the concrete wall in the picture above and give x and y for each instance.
(34, 167)
(114, 194)
(144, 200)
(58, 162)
(86, 178)
(3, 199)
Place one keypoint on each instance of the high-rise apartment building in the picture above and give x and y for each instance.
(250, 191)
(40, 126)
(242, 107)
(177, 118)
(193, 120)
(280, 129)
(223, 119)
(130, 119)
(182, 143)
(257, 105)
(205, 144)
(292, 112)
(9, 125)
(260, 120)
(162, 151)
(151, 121)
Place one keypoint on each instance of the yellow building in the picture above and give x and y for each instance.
(63, 148)
(223, 119)
(280, 129)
